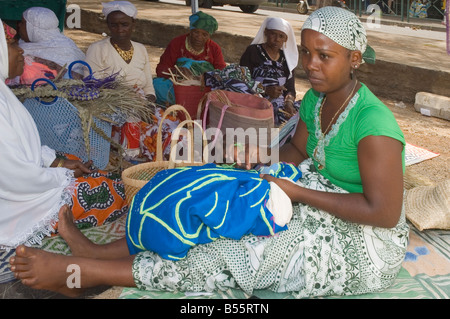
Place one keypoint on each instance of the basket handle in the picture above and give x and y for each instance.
(33, 85)
(169, 110)
(219, 95)
(176, 135)
(78, 62)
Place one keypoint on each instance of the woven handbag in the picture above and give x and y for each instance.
(227, 109)
(135, 177)
(60, 127)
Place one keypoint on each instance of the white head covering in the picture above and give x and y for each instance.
(46, 40)
(343, 27)
(4, 62)
(31, 194)
(123, 6)
(290, 50)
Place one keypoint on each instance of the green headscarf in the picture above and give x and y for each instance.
(343, 27)
(203, 21)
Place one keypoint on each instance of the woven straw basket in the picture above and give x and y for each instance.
(428, 207)
(135, 177)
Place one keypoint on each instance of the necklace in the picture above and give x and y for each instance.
(191, 49)
(127, 55)
(319, 151)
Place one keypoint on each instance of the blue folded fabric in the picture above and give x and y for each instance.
(183, 207)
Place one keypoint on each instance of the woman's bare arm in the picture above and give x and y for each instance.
(380, 203)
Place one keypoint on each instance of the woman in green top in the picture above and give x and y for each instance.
(347, 234)
(350, 135)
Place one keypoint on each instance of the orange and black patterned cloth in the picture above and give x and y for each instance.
(99, 198)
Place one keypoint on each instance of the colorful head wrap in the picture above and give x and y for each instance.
(123, 6)
(203, 21)
(343, 27)
(10, 33)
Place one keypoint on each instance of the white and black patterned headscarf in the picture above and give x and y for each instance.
(343, 27)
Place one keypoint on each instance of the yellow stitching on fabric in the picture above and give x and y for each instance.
(214, 206)
(261, 200)
(157, 186)
(220, 177)
(254, 188)
(174, 257)
(224, 217)
(263, 215)
(170, 230)
(208, 231)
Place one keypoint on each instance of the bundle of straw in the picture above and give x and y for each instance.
(108, 99)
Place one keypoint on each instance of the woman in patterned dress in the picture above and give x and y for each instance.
(118, 53)
(272, 58)
(348, 233)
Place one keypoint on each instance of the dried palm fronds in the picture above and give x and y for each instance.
(108, 99)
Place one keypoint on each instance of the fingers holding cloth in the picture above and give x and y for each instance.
(79, 168)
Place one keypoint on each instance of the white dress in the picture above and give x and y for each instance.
(104, 60)
(31, 193)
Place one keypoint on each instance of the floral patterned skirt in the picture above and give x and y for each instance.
(319, 255)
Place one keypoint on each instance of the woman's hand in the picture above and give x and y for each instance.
(274, 91)
(244, 156)
(289, 105)
(79, 168)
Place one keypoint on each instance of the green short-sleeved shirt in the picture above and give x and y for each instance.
(368, 116)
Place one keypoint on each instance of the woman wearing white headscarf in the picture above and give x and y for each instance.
(272, 57)
(31, 193)
(46, 48)
(118, 53)
(34, 182)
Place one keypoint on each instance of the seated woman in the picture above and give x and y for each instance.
(118, 53)
(48, 52)
(36, 182)
(348, 233)
(193, 52)
(271, 58)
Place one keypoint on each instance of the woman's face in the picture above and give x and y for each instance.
(275, 39)
(22, 30)
(326, 63)
(120, 25)
(198, 38)
(15, 59)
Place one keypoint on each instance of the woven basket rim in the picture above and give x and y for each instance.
(159, 163)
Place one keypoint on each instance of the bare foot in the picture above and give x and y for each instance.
(79, 244)
(39, 269)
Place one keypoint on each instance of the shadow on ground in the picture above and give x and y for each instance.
(16, 290)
